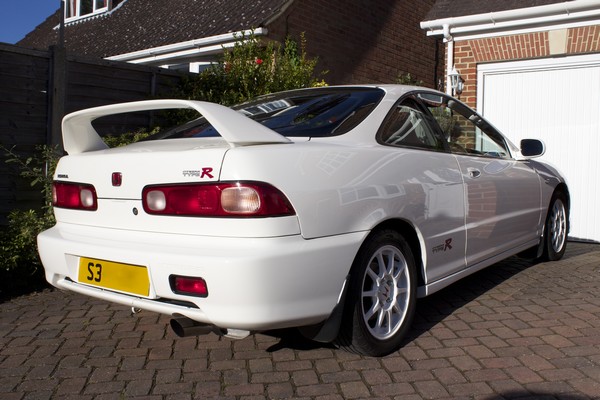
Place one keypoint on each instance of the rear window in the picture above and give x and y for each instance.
(319, 112)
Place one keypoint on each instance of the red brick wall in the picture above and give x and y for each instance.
(362, 41)
(584, 40)
(469, 53)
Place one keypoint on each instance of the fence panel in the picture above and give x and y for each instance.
(32, 90)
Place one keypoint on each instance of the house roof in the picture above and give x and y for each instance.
(134, 25)
(458, 8)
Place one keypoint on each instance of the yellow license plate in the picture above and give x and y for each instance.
(112, 275)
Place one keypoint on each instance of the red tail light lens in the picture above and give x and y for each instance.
(76, 196)
(232, 199)
(188, 285)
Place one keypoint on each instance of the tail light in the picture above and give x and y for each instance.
(78, 196)
(231, 199)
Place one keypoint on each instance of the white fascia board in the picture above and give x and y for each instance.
(170, 58)
(522, 20)
(182, 49)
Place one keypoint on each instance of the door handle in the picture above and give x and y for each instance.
(474, 172)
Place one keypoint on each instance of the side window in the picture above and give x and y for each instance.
(406, 125)
(465, 131)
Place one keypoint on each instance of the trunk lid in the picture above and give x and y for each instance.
(120, 174)
(145, 163)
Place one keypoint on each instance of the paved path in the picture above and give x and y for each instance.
(513, 331)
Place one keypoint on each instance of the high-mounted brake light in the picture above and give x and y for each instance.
(230, 199)
(78, 196)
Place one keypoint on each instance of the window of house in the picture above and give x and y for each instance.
(81, 8)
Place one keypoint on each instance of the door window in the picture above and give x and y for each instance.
(464, 130)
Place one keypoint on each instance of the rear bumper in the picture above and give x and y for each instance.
(253, 283)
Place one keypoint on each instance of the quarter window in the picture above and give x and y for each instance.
(406, 126)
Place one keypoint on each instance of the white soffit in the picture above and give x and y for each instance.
(523, 20)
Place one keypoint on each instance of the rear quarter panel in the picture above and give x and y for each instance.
(338, 188)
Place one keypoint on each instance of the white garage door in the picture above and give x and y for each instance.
(558, 101)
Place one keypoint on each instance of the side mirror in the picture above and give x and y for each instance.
(532, 148)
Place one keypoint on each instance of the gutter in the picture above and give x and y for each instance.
(202, 46)
(580, 12)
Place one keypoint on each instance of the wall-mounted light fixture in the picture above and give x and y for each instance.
(456, 81)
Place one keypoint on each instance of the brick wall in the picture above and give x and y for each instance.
(469, 53)
(376, 47)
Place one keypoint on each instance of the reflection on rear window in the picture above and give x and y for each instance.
(299, 113)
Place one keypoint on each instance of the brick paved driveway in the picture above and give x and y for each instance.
(515, 330)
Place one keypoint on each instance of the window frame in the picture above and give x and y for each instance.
(77, 15)
(484, 126)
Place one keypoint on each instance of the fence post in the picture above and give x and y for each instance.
(57, 87)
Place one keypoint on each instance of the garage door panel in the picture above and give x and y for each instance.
(558, 102)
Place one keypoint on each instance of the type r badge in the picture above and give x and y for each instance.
(206, 172)
(447, 245)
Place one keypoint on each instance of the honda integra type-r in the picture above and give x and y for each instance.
(327, 209)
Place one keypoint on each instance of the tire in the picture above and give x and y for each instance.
(556, 228)
(381, 298)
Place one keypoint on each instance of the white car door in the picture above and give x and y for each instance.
(502, 195)
(503, 205)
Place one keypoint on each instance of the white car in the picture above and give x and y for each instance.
(329, 209)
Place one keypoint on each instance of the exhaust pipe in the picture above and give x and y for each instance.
(188, 327)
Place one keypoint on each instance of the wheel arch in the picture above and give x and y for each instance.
(327, 331)
(562, 188)
(410, 234)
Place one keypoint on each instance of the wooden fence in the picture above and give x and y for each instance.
(37, 88)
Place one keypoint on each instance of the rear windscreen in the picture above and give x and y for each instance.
(319, 112)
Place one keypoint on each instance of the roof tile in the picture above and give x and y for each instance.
(458, 8)
(142, 24)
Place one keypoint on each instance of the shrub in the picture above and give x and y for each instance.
(20, 266)
(408, 79)
(128, 137)
(250, 69)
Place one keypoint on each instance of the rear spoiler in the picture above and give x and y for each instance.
(79, 136)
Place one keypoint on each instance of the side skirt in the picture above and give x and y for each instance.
(438, 285)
